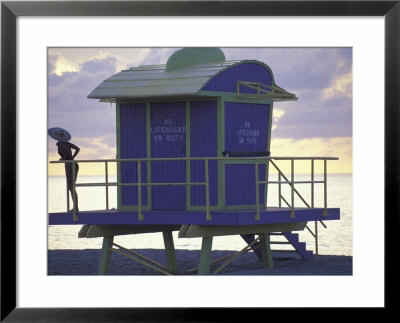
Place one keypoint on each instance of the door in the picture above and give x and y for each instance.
(246, 129)
(168, 140)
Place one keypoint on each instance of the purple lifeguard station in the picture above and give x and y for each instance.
(193, 142)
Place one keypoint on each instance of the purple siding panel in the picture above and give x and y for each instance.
(168, 139)
(250, 72)
(132, 145)
(246, 127)
(203, 143)
(240, 184)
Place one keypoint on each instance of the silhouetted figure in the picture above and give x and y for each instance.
(65, 151)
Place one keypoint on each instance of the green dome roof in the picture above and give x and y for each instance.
(192, 56)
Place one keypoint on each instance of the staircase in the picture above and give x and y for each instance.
(300, 247)
(292, 239)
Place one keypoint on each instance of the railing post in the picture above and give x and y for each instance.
(325, 189)
(312, 183)
(106, 175)
(257, 192)
(279, 189)
(295, 191)
(208, 215)
(316, 239)
(66, 185)
(75, 217)
(139, 186)
(312, 205)
(292, 191)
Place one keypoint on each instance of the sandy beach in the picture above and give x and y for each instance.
(85, 262)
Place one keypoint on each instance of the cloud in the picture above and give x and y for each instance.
(51, 62)
(320, 77)
(72, 59)
(314, 115)
(69, 107)
(341, 147)
(91, 148)
(299, 68)
(158, 56)
(91, 123)
(277, 114)
(341, 87)
(325, 112)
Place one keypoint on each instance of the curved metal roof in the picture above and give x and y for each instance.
(154, 81)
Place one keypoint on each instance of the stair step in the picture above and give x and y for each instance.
(308, 255)
(300, 247)
(292, 239)
(291, 234)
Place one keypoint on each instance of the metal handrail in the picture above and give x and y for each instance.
(312, 182)
(257, 160)
(263, 90)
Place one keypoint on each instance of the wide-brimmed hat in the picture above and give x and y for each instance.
(59, 134)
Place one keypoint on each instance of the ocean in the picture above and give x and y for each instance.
(336, 239)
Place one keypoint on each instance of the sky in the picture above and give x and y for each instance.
(319, 123)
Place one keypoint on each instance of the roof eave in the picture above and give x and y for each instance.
(137, 98)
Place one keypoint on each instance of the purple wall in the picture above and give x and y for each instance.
(226, 80)
(246, 127)
(245, 131)
(168, 139)
(240, 184)
(133, 144)
(203, 143)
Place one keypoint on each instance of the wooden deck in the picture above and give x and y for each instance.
(242, 217)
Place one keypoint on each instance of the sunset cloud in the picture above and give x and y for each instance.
(92, 148)
(277, 114)
(341, 87)
(340, 147)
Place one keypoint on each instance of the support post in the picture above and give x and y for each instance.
(208, 216)
(325, 189)
(170, 251)
(105, 258)
(106, 178)
(139, 187)
(257, 191)
(312, 183)
(66, 186)
(266, 255)
(279, 189)
(316, 239)
(205, 256)
(292, 191)
(75, 217)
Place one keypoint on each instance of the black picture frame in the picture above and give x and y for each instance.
(10, 10)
